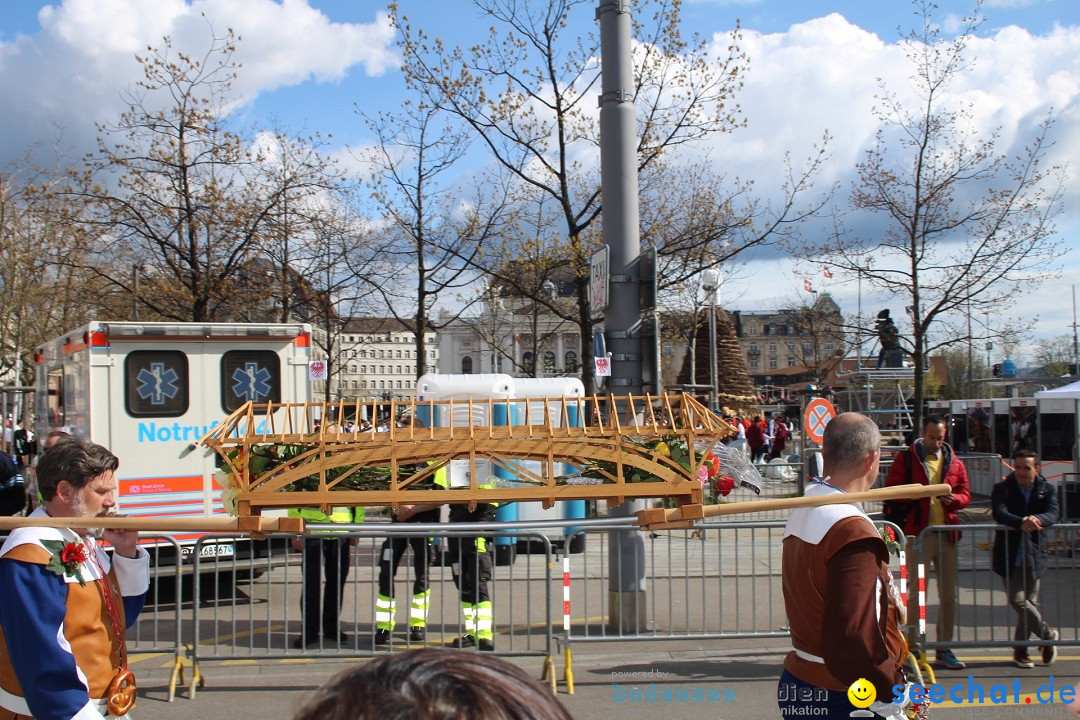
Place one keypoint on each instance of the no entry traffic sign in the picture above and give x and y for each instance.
(818, 414)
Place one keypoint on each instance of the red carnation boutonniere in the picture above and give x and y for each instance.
(67, 558)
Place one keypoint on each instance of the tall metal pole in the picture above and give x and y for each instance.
(1076, 341)
(713, 391)
(971, 361)
(619, 197)
(858, 325)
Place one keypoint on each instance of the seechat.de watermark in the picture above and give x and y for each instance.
(973, 693)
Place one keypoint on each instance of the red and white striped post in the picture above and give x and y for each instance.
(566, 594)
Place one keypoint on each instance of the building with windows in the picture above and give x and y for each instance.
(514, 335)
(793, 346)
(377, 360)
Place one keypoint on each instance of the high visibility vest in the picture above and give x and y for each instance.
(440, 480)
(338, 514)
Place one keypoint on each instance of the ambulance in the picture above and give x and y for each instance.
(149, 390)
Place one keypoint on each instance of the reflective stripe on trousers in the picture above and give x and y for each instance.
(418, 610)
(479, 619)
(384, 612)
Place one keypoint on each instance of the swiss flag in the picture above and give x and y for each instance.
(807, 286)
(827, 274)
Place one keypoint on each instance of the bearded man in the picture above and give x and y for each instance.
(66, 602)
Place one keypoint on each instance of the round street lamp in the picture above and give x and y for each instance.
(710, 283)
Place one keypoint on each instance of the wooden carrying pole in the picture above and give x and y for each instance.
(207, 524)
(660, 518)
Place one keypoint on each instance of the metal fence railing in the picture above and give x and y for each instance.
(719, 580)
(253, 609)
(983, 616)
(712, 581)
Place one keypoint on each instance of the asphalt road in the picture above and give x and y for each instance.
(741, 677)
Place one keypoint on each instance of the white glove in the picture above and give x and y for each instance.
(893, 710)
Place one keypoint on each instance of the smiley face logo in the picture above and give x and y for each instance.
(861, 693)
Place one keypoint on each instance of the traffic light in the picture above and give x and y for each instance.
(997, 369)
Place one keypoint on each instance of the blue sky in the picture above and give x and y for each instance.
(309, 63)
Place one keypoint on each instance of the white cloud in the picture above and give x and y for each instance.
(1011, 3)
(70, 73)
(822, 74)
(817, 75)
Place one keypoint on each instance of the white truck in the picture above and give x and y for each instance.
(149, 390)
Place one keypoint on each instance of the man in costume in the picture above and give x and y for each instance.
(842, 607)
(66, 601)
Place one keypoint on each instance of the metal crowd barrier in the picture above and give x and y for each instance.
(251, 610)
(983, 616)
(713, 581)
(719, 580)
(160, 628)
(984, 471)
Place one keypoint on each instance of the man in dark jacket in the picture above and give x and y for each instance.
(930, 461)
(1026, 503)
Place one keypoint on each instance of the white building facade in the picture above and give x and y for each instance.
(513, 336)
(377, 360)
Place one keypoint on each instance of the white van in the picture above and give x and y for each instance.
(149, 391)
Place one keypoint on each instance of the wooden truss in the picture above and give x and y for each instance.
(289, 455)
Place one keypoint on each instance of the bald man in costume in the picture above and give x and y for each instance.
(841, 603)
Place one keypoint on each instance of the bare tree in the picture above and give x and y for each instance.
(43, 292)
(527, 95)
(963, 227)
(1055, 355)
(697, 219)
(171, 186)
(432, 233)
(310, 190)
(819, 341)
(339, 263)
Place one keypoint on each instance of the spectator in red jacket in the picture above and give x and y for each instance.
(757, 439)
(930, 461)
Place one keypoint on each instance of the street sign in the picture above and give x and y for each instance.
(818, 414)
(599, 274)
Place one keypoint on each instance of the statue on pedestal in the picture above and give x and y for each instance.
(890, 355)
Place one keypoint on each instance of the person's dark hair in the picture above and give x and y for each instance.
(54, 437)
(74, 459)
(1025, 453)
(433, 684)
(934, 420)
(847, 440)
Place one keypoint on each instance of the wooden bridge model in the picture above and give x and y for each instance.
(288, 455)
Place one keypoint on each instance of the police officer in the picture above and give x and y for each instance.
(472, 560)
